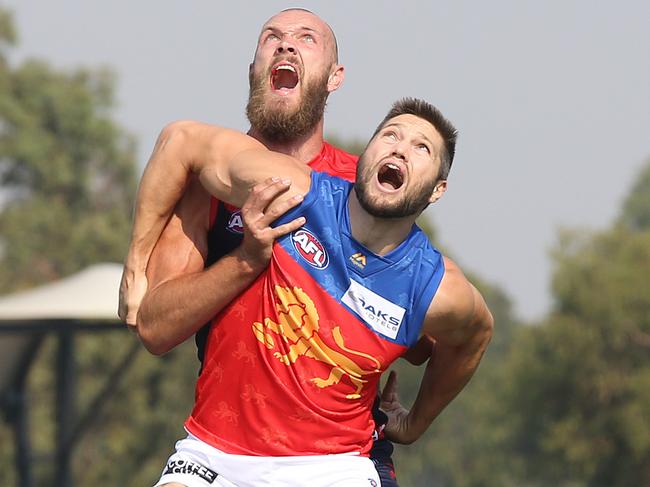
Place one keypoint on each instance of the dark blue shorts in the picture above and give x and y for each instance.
(386, 471)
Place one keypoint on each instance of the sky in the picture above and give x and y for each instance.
(551, 99)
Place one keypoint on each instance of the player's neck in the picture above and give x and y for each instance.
(303, 148)
(380, 235)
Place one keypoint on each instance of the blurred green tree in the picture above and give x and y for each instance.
(576, 393)
(636, 207)
(67, 172)
(353, 146)
(67, 182)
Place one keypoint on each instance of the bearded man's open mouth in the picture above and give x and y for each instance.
(284, 77)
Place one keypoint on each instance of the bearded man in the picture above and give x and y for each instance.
(211, 251)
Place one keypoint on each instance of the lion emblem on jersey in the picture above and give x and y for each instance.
(298, 325)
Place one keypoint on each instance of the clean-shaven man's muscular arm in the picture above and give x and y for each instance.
(228, 163)
(461, 325)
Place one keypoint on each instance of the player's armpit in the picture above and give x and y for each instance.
(163, 320)
(458, 311)
(183, 246)
(421, 351)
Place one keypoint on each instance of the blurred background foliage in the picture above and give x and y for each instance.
(563, 402)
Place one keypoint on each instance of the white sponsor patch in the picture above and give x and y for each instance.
(382, 315)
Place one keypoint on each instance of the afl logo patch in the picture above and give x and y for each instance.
(310, 248)
(235, 223)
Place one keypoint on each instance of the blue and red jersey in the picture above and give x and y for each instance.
(291, 367)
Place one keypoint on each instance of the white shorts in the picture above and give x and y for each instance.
(197, 464)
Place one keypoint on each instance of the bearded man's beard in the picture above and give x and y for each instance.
(413, 202)
(274, 121)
